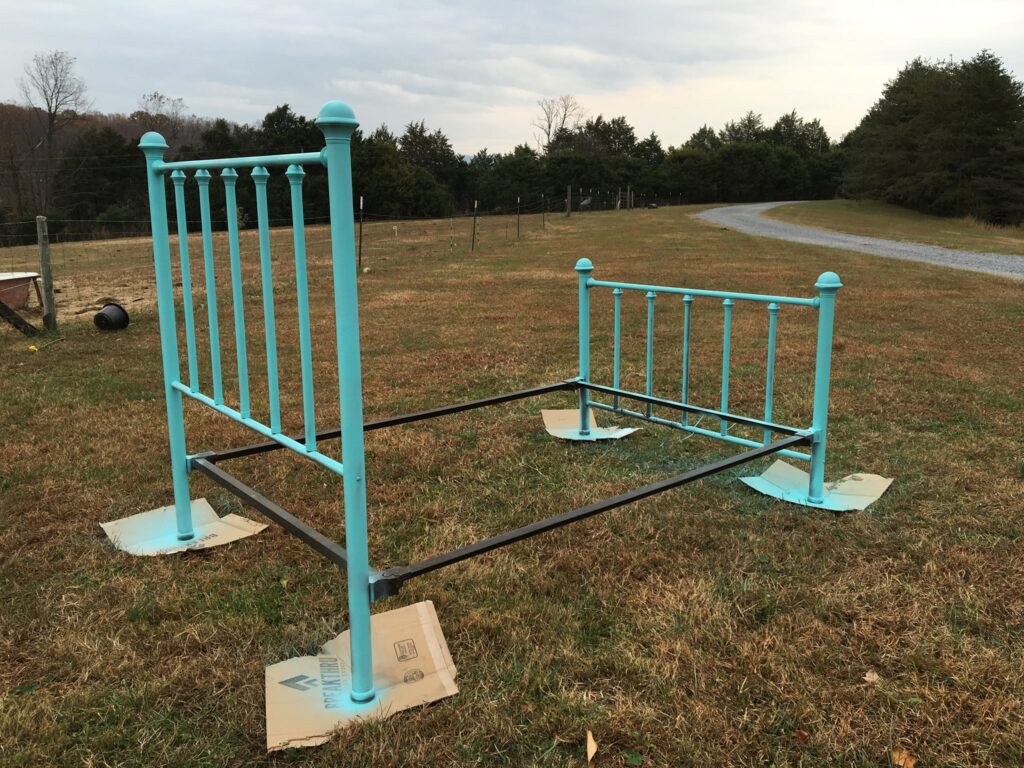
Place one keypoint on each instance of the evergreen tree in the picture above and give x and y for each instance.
(945, 138)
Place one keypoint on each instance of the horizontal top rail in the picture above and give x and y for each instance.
(811, 302)
(299, 158)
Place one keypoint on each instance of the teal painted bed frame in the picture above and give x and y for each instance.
(366, 584)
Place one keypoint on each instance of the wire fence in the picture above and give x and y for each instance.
(92, 268)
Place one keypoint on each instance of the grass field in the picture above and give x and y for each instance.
(867, 217)
(705, 626)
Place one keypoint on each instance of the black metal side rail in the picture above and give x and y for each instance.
(318, 542)
(391, 579)
(394, 421)
(383, 584)
(570, 385)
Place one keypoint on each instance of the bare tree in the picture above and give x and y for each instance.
(555, 115)
(161, 113)
(51, 86)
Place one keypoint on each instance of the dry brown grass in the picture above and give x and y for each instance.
(875, 219)
(707, 626)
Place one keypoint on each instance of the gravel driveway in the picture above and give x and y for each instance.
(748, 219)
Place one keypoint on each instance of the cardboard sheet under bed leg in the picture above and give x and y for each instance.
(565, 424)
(786, 482)
(308, 697)
(155, 532)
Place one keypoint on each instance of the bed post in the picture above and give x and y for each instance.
(153, 147)
(828, 285)
(337, 121)
(583, 268)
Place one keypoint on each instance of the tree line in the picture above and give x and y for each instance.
(944, 138)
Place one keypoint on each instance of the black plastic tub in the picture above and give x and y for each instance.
(113, 317)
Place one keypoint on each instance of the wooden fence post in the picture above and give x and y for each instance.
(46, 274)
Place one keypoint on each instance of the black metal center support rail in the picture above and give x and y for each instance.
(383, 584)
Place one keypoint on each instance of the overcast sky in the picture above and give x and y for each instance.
(476, 70)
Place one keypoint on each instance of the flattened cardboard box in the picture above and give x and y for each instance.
(565, 424)
(155, 532)
(786, 482)
(308, 697)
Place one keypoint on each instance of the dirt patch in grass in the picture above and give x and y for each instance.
(707, 626)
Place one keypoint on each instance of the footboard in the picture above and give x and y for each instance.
(824, 304)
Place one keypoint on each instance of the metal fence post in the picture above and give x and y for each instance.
(472, 244)
(360, 234)
(583, 268)
(337, 121)
(828, 285)
(153, 147)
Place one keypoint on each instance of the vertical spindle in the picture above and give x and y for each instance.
(230, 176)
(617, 344)
(649, 385)
(178, 178)
(260, 177)
(769, 381)
(295, 175)
(726, 341)
(687, 313)
(203, 181)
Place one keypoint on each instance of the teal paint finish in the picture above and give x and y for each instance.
(617, 343)
(323, 460)
(710, 294)
(295, 175)
(710, 413)
(583, 270)
(229, 177)
(337, 122)
(649, 369)
(203, 181)
(798, 455)
(687, 317)
(153, 147)
(260, 176)
(726, 349)
(769, 375)
(178, 178)
(301, 158)
(828, 286)
(796, 493)
(824, 303)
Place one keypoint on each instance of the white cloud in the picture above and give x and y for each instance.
(476, 70)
